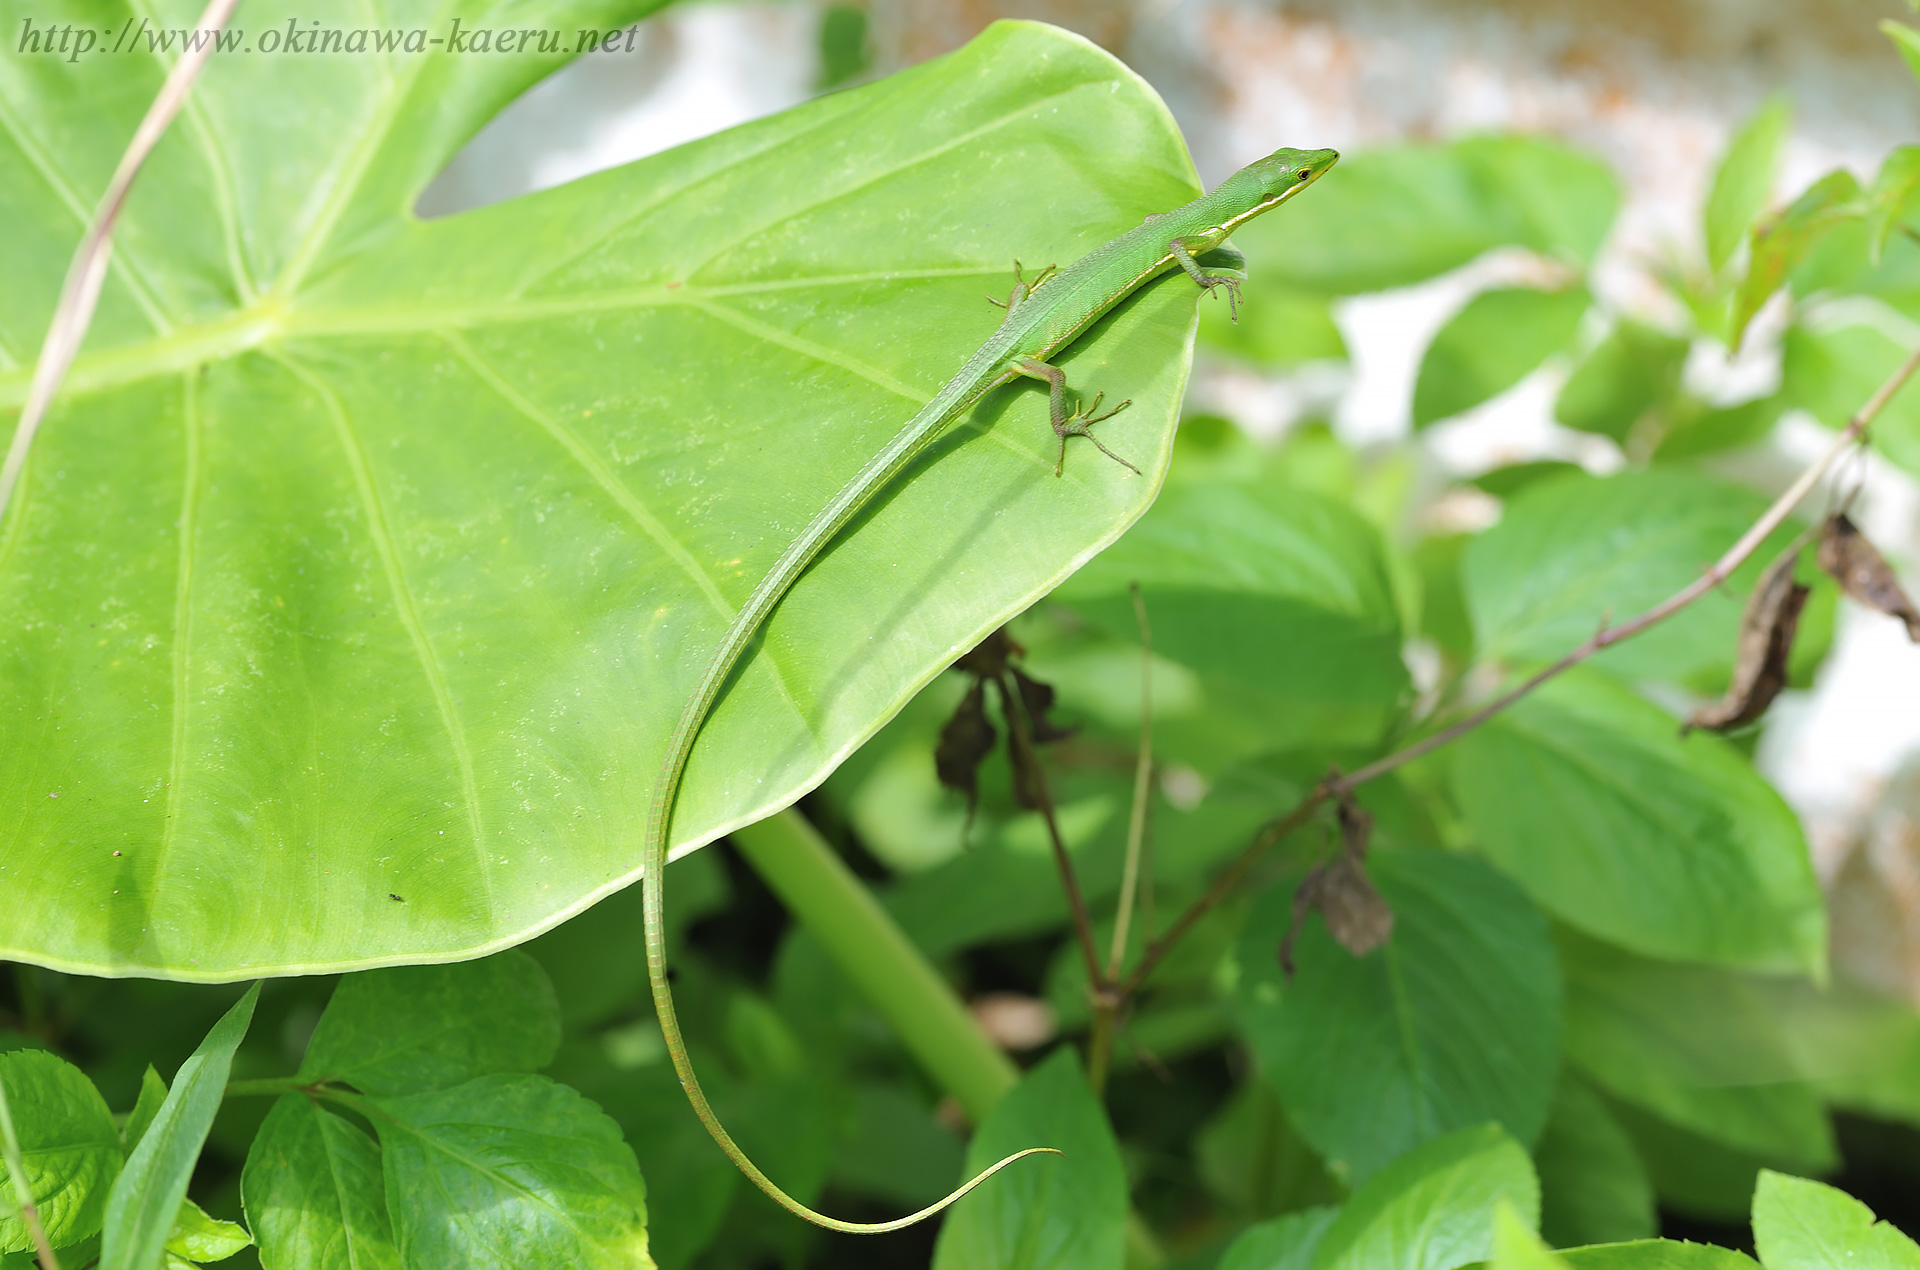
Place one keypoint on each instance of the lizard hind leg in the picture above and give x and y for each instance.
(1075, 423)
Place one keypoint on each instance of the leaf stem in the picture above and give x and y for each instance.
(1106, 1004)
(870, 949)
(73, 313)
(22, 1191)
(1334, 786)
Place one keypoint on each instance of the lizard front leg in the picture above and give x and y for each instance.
(1075, 424)
(1182, 250)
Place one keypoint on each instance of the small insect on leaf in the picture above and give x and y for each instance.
(1863, 573)
(1353, 908)
(1760, 659)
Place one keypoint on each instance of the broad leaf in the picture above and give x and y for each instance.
(1054, 1212)
(68, 1147)
(1432, 1209)
(1891, 197)
(1517, 1247)
(1574, 550)
(510, 1171)
(1279, 325)
(1673, 847)
(366, 562)
(1803, 1225)
(1593, 1188)
(1697, 1047)
(416, 1028)
(144, 1205)
(1285, 1243)
(1490, 345)
(1830, 369)
(313, 1193)
(1634, 369)
(1657, 1254)
(1744, 176)
(1454, 1022)
(1269, 588)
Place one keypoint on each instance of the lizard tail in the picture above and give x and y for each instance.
(653, 902)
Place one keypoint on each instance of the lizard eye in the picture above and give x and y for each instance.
(1304, 173)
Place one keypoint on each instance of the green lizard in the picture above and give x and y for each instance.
(1043, 317)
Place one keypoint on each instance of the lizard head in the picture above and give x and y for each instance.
(1285, 173)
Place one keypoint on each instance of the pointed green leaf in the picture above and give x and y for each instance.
(1285, 1243)
(1906, 39)
(68, 1147)
(1674, 847)
(1633, 370)
(1055, 1212)
(1593, 1188)
(1454, 1022)
(1561, 199)
(1698, 1047)
(1891, 197)
(510, 1171)
(1782, 241)
(1657, 1254)
(1432, 1209)
(1493, 343)
(1516, 1247)
(197, 1237)
(363, 568)
(313, 1192)
(1831, 369)
(1229, 572)
(145, 1202)
(153, 1092)
(1744, 176)
(416, 1028)
(1803, 1225)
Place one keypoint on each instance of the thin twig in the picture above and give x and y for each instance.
(73, 313)
(22, 1192)
(1026, 756)
(1274, 830)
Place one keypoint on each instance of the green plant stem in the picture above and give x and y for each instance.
(869, 947)
(22, 1192)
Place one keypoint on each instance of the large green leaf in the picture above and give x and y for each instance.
(1576, 549)
(1285, 1243)
(1657, 1254)
(1453, 1022)
(1433, 1208)
(313, 1193)
(1674, 847)
(1803, 1225)
(69, 1149)
(509, 1171)
(362, 570)
(1062, 1212)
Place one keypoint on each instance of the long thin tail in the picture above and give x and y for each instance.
(654, 906)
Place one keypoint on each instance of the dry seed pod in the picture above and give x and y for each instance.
(1864, 573)
(1760, 660)
(1356, 914)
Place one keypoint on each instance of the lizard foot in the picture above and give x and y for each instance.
(1080, 423)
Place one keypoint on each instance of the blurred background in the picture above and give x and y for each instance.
(1655, 88)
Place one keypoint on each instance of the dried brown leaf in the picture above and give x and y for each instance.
(1863, 573)
(988, 659)
(1355, 911)
(1037, 697)
(965, 742)
(1760, 658)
